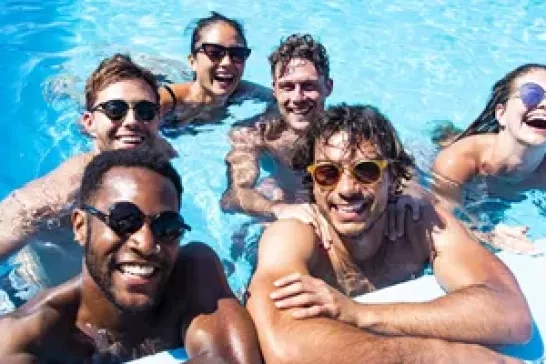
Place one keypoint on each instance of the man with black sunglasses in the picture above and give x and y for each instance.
(139, 291)
(310, 267)
(121, 113)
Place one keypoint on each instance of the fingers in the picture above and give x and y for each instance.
(288, 279)
(300, 300)
(303, 313)
(391, 222)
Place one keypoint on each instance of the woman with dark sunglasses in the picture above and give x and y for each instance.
(218, 54)
(505, 146)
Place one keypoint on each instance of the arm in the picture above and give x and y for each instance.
(170, 101)
(287, 246)
(243, 172)
(484, 303)
(219, 326)
(23, 210)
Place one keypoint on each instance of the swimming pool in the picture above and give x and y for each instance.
(416, 63)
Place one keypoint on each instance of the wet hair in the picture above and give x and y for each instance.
(360, 122)
(486, 121)
(111, 70)
(300, 46)
(200, 24)
(141, 157)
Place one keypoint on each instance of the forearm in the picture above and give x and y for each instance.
(477, 314)
(247, 200)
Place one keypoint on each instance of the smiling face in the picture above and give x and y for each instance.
(130, 270)
(301, 92)
(218, 78)
(351, 207)
(129, 132)
(528, 126)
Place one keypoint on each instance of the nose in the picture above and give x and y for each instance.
(347, 185)
(131, 118)
(226, 60)
(143, 241)
(297, 95)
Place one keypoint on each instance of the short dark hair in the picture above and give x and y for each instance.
(119, 67)
(200, 24)
(360, 122)
(300, 46)
(141, 157)
(486, 122)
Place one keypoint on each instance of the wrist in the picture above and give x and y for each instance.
(365, 316)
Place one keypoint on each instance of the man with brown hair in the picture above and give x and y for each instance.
(121, 112)
(301, 83)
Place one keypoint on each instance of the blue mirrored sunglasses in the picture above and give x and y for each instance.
(531, 94)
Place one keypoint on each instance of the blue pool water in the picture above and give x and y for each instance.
(416, 61)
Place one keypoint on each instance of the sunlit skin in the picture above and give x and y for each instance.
(120, 308)
(301, 92)
(128, 133)
(107, 252)
(216, 82)
(511, 161)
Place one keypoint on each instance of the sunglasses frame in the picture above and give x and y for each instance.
(534, 85)
(225, 51)
(380, 163)
(127, 106)
(106, 219)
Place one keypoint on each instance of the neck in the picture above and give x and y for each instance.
(199, 94)
(97, 312)
(508, 156)
(364, 247)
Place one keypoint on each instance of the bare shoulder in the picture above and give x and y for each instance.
(461, 160)
(180, 90)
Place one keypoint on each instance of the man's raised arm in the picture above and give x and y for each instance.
(219, 326)
(243, 172)
(288, 246)
(24, 209)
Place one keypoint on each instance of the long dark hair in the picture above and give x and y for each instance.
(486, 121)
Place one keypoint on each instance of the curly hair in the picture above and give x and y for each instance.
(360, 122)
(141, 157)
(300, 46)
(486, 121)
(111, 70)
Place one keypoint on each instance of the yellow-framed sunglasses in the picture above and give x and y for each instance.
(328, 174)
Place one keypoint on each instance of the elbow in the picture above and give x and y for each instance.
(521, 327)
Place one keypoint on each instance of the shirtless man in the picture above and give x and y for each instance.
(301, 83)
(122, 112)
(139, 292)
(309, 269)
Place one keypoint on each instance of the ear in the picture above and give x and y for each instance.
(274, 89)
(79, 226)
(500, 110)
(88, 122)
(192, 62)
(329, 86)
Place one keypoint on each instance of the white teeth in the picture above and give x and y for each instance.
(351, 208)
(137, 269)
(224, 77)
(131, 139)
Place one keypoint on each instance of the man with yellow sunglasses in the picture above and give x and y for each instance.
(309, 268)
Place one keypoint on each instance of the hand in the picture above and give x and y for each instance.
(396, 215)
(512, 239)
(304, 212)
(311, 297)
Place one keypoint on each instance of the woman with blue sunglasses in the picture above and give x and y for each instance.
(218, 53)
(505, 145)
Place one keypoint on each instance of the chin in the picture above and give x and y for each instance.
(135, 304)
(350, 229)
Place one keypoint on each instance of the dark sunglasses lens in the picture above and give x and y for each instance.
(115, 109)
(367, 172)
(125, 218)
(531, 94)
(239, 54)
(169, 226)
(214, 52)
(145, 110)
(326, 174)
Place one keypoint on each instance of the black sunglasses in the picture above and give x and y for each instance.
(126, 218)
(116, 110)
(216, 52)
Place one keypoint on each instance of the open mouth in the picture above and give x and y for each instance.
(134, 270)
(130, 139)
(538, 122)
(351, 210)
(224, 78)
